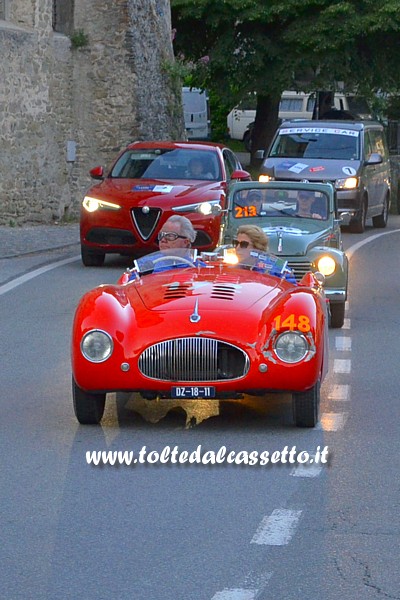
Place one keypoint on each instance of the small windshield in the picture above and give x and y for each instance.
(212, 262)
(166, 163)
(175, 258)
(317, 142)
(179, 258)
(267, 207)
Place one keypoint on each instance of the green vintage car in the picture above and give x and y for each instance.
(302, 225)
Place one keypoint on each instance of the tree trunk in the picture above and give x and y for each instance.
(265, 125)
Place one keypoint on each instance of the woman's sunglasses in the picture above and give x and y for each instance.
(242, 244)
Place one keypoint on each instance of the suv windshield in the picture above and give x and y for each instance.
(166, 163)
(316, 142)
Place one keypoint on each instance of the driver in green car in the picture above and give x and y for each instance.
(255, 203)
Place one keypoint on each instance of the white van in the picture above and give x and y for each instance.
(293, 105)
(196, 110)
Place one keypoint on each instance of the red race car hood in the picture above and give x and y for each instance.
(230, 290)
(149, 192)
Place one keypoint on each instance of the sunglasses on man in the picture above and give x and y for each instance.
(241, 244)
(170, 236)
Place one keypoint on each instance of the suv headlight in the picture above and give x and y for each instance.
(265, 178)
(211, 207)
(348, 183)
(92, 204)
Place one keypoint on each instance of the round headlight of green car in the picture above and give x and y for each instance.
(291, 346)
(326, 265)
(96, 346)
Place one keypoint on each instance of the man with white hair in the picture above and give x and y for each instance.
(177, 232)
(175, 239)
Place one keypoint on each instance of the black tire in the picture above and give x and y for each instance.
(357, 224)
(381, 220)
(306, 407)
(337, 314)
(88, 408)
(91, 258)
(247, 140)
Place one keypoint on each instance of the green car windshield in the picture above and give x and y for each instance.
(299, 208)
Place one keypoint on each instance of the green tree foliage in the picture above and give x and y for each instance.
(268, 46)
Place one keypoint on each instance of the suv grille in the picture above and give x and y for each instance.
(194, 359)
(146, 222)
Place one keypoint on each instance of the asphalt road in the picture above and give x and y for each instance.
(199, 532)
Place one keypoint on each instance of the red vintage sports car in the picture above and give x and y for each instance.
(147, 184)
(179, 327)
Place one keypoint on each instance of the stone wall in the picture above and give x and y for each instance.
(66, 109)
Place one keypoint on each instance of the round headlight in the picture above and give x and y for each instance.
(326, 265)
(96, 346)
(291, 346)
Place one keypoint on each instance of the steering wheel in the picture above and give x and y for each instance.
(168, 256)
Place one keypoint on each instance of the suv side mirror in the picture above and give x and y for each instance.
(241, 175)
(374, 159)
(259, 154)
(97, 173)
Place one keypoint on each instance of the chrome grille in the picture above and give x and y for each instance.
(299, 268)
(145, 222)
(193, 359)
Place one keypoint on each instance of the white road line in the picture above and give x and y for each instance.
(346, 324)
(235, 594)
(254, 583)
(7, 287)
(340, 393)
(341, 365)
(307, 470)
(278, 528)
(343, 343)
(332, 421)
(350, 251)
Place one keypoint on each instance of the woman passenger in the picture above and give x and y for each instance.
(252, 238)
(248, 238)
